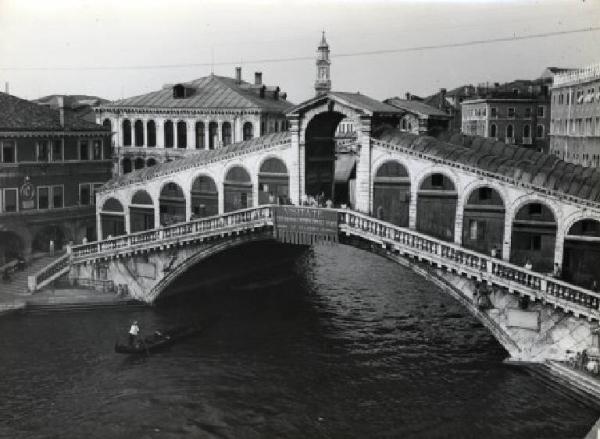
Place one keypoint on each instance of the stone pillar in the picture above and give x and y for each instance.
(160, 133)
(188, 203)
(145, 131)
(559, 246)
(127, 219)
(206, 134)
(508, 217)
(255, 189)
(458, 223)
(363, 167)
(98, 226)
(219, 134)
(412, 206)
(239, 134)
(295, 165)
(157, 214)
(191, 134)
(175, 135)
(221, 198)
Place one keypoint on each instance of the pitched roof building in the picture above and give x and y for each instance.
(419, 117)
(51, 163)
(203, 114)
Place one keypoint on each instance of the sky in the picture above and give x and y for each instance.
(117, 48)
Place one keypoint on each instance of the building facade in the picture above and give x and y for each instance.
(420, 118)
(203, 114)
(51, 164)
(575, 120)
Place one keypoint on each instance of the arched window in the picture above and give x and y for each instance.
(509, 132)
(226, 133)
(151, 128)
(126, 132)
(126, 165)
(403, 124)
(540, 131)
(168, 134)
(138, 127)
(493, 130)
(139, 163)
(150, 162)
(248, 131)
(526, 131)
(199, 135)
(181, 134)
(107, 124)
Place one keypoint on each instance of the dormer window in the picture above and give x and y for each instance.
(179, 91)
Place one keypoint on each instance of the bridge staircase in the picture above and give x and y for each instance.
(18, 284)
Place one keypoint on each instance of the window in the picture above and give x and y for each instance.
(84, 194)
(528, 112)
(476, 230)
(42, 151)
(126, 132)
(511, 112)
(540, 131)
(97, 149)
(96, 188)
(494, 112)
(9, 200)
(535, 242)
(43, 193)
(57, 150)
(493, 130)
(509, 131)
(248, 131)
(8, 152)
(57, 197)
(437, 180)
(168, 132)
(526, 131)
(226, 128)
(541, 110)
(84, 152)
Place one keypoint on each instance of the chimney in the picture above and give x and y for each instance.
(6, 88)
(442, 98)
(258, 78)
(61, 109)
(407, 96)
(238, 75)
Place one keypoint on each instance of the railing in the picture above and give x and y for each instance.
(539, 286)
(50, 272)
(194, 229)
(103, 285)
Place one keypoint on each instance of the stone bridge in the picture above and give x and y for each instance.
(457, 212)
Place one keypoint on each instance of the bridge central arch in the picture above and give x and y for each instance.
(320, 155)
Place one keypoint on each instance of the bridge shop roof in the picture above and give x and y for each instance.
(413, 106)
(358, 101)
(199, 158)
(210, 92)
(527, 166)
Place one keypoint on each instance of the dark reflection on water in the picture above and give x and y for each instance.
(343, 344)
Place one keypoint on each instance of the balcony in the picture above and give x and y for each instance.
(509, 140)
(527, 141)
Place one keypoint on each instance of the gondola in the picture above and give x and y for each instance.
(158, 341)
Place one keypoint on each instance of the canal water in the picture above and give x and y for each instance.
(333, 343)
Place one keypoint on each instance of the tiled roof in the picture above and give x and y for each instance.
(18, 114)
(356, 100)
(526, 166)
(199, 158)
(416, 107)
(211, 92)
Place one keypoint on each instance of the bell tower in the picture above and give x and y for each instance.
(323, 81)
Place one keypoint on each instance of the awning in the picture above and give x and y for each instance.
(344, 165)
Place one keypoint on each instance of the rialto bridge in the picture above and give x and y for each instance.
(469, 209)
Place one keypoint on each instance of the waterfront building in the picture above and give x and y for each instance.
(51, 164)
(204, 114)
(450, 102)
(575, 120)
(419, 117)
(517, 113)
(81, 106)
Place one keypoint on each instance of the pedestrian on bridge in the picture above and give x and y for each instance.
(133, 333)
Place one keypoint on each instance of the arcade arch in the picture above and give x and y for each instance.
(237, 189)
(273, 182)
(484, 220)
(171, 204)
(391, 193)
(582, 253)
(141, 212)
(112, 218)
(205, 197)
(436, 206)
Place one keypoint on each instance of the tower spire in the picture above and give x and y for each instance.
(323, 80)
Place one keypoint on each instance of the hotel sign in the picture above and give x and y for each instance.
(27, 193)
(305, 225)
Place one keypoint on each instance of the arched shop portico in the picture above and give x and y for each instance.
(483, 220)
(112, 218)
(436, 206)
(391, 193)
(205, 197)
(273, 182)
(141, 212)
(581, 258)
(171, 204)
(237, 189)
